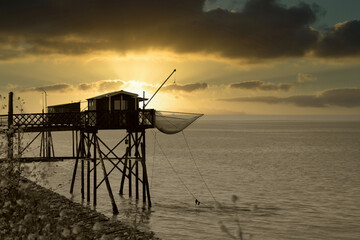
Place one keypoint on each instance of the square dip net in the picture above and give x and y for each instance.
(174, 122)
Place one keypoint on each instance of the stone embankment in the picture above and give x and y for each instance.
(34, 212)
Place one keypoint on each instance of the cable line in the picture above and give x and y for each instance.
(186, 187)
(197, 168)
(153, 163)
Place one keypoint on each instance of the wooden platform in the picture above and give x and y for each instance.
(89, 121)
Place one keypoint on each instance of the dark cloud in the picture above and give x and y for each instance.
(62, 87)
(187, 87)
(263, 29)
(346, 97)
(342, 40)
(85, 86)
(260, 85)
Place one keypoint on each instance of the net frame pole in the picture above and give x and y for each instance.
(159, 88)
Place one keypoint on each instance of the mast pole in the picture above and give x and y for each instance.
(160, 87)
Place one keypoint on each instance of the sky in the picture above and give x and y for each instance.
(233, 57)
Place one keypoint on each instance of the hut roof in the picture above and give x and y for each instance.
(111, 94)
(64, 105)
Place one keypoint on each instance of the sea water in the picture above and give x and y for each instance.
(293, 180)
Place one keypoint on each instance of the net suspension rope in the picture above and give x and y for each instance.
(197, 168)
(176, 173)
(153, 162)
(171, 124)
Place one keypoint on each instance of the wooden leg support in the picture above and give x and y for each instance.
(107, 182)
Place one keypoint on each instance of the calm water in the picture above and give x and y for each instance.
(293, 179)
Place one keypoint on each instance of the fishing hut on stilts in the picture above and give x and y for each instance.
(119, 110)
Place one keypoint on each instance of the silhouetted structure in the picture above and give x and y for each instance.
(64, 108)
(115, 110)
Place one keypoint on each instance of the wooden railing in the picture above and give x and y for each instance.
(87, 119)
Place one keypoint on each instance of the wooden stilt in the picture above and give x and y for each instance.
(75, 170)
(121, 192)
(10, 125)
(94, 170)
(76, 142)
(52, 145)
(145, 177)
(130, 169)
(82, 165)
(107, 182)
(88, 169)
(42, 145)
(82, 180)
(137, 179)
(136, 166)
(73, 147)
(130, 178)
(127, 153)
(144, 183)
(47, 138)
(76, 164)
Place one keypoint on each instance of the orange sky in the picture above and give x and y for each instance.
(257, 57)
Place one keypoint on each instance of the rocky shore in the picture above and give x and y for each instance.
(34, 212)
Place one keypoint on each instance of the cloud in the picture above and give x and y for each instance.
(101, 86)
(304, 77)
(86, 86)
(61, 87)
(260, 85)
(187, 87)
(343, 40)
(263, 29)
(345, 97)
(10, 86)
(110, 85)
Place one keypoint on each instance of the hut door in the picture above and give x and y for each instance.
(117, 105)
(124, 104)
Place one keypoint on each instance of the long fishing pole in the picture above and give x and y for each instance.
(160, 87)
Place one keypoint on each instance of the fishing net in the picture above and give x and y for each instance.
(174, 122)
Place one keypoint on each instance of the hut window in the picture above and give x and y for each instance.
(117, 105)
